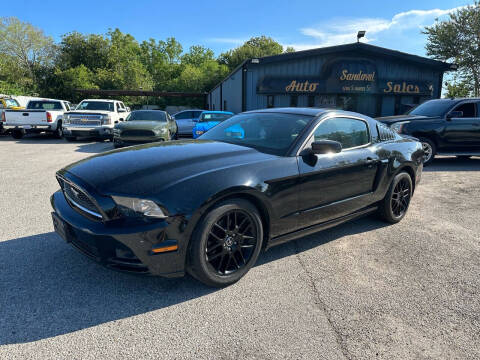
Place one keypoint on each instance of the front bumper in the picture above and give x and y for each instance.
(121, 246)
(84, 131)
(126, 141)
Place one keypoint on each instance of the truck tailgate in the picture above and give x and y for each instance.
(25, 117)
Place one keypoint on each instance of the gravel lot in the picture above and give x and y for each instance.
(362, 290)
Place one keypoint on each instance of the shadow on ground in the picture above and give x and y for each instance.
(47, 288)
(454, 164)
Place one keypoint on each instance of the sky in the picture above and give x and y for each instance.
(222, 25)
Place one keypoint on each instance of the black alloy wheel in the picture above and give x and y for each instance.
(400, 197)
(395, 204)
(226, 244)
(231, 242)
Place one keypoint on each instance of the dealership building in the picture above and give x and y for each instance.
(357, 77)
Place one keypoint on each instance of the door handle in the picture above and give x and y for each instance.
(25, 114)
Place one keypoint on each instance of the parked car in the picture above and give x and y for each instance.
(44, 115)
(7, 103)
(207, 120)
(94, 118)
(143, 126)
(444, 127)
(209, 206)
(186, 121)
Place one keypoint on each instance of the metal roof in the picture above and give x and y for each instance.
(357, 47)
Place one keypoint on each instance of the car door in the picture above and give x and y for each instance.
(334, 185)
(183, 120)
(463, 132)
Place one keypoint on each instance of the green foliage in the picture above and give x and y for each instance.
(458, 89)
(31, 62)
(458, 40)
(255, 47)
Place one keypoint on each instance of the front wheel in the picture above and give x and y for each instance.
(226, 243)
(395, 204)
(429, 150)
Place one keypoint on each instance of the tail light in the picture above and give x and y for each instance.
(3, 117)
(49, 117)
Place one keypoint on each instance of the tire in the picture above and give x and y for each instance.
(59, 132)
(70, 138)
(395, 204)
(17, 134)
(430, 150)
(219, 233)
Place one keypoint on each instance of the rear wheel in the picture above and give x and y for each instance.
(59, 132)
(395, 204)
(17, 133)
(226, 243)
(430, 150)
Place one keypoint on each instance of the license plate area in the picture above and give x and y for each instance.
(60, 227)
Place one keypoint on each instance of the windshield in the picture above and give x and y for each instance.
(432, 108)
(44, 105)
(96, 105)
(214, 117)
(273, 133)
(11, 102)
(147, 116)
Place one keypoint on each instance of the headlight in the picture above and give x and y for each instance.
(199, 132)
(66, 119)
(398, 127)
(161, 130)
(135, 207)
(106, 119)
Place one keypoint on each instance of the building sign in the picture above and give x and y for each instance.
(343, 76)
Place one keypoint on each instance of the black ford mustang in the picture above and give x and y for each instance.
(209, 206)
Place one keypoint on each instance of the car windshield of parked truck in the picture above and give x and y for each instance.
(11, 102)
(96, 105)
(147, 116)
(272, 133)
(432, 108)
(214, 117)
(44, 105)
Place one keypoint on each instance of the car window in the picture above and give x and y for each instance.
(196, 114)
(468, 109)
(44, 105)
(183, 115)
(272, 133)
(348, 132)
(147, 116)
(11, 102)
(205, 117)
(96, 105)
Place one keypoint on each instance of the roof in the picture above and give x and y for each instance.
(217, 112)
(293, 110)
(107, 100)
(357, 47)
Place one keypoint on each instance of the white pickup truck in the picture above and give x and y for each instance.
(94, 118)
(45, 115)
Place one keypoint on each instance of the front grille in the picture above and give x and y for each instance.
(138, 133)
(79, 199)
(85, 122)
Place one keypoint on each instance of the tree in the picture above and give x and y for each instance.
(458, 40)
(27, 45)
(253, 48)
(77, 49)
(458, 89)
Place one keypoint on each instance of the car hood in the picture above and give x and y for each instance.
(149, 169)
(141, 125)
(397, 118)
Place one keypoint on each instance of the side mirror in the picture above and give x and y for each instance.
(455, 114)
(326, 146)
